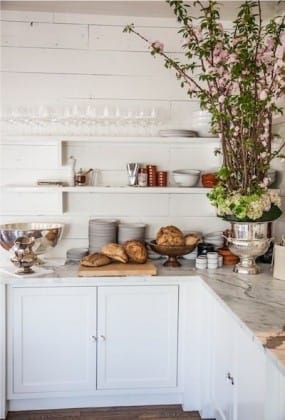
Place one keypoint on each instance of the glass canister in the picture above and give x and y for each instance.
(142, 177)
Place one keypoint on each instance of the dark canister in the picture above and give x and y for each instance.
(204, 247)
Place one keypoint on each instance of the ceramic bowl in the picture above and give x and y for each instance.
(186, 177)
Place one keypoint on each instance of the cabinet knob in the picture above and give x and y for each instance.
(230, 378)
(93, 338)
(102, 337)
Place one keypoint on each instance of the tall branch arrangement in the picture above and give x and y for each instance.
(239, 77)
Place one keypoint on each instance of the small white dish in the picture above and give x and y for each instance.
(186, 177)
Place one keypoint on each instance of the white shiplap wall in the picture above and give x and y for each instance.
(59, 58)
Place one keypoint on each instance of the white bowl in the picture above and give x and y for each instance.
(186, 177)
(271, 174)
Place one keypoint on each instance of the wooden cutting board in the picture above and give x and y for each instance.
(119, 269)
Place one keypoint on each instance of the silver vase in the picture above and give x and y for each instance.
(248, 240)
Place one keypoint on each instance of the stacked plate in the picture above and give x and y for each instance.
(131, 231)
(215, 238)
(202, 121)
(101, 232)
(178, 133)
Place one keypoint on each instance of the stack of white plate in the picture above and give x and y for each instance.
(178, 133)
(131, 231)
(101, 232)
(215, 238)
(202, 123)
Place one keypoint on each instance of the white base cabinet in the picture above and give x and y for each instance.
(83, 339)
(137, 337)
(134, 344)
(238, 377)
(53, 340)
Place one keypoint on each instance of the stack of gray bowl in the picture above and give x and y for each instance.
(131, 231)
(101, 232)
(74, 255)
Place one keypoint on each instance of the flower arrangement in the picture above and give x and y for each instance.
(239, 77)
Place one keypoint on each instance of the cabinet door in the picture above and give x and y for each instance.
(137, 336)
(53, 342)
(2, 352)
(249, 377)
(223, 364)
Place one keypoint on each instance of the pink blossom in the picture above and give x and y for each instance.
(263, 95)
(282, 38)
(157, 45)
(279, 51)
(221, 99)
(269, 42)
(232, 58)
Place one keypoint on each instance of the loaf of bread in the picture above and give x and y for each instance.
(136, 251)
(170, 235)
(115, 252)
(95, 260)
(191, 239)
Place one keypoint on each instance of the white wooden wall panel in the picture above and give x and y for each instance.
(118, 205)
(113, 38)
(37, 34)
(118, 20)
(46, 60)
(197, 157)
(28, 203)
(115, 156)
(13, 156)
(26, 16)
(194, 205)
(56, 86)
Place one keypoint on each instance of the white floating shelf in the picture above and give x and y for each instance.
(108, 139)
(107, 189)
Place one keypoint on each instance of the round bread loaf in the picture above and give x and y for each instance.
(95, 260)
(136, 251)
(115, 251)
(170, 235)
(191, 239)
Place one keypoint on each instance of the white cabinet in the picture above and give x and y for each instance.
(2, 351)
(223, 364)
(52, 347)
(58, 332)
(238, 370)
(137, 337)
(275, 391)
(249, 377)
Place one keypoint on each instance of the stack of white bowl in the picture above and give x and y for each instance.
(131, 231)
(202, 123)
(101, 232)
(215, 238)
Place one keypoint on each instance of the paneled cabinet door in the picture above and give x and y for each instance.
(223, 380)
(249, 377)
(54, 339)
(137, 336)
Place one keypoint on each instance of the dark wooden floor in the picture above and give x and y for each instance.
(159, 412)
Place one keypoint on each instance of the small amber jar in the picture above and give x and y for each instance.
(151, 176)
(209, 180)
(161, 178)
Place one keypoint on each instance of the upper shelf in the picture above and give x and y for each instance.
(109, 139)
(107, 189)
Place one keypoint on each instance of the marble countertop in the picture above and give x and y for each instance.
(257, 300)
